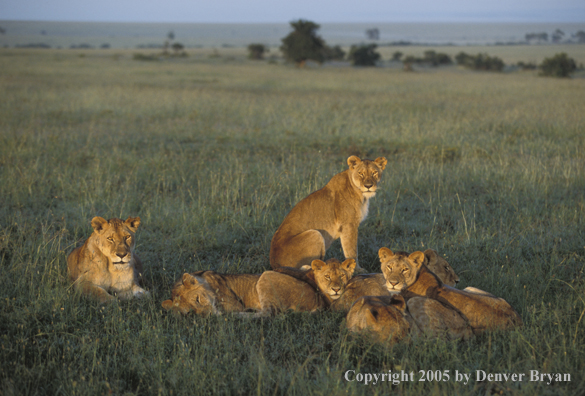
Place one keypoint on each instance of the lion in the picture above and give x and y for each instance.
(407, 274)
(208, 292)
(384, 318)
(312, 290)
(106, 263)
(333, 212)
(375, 284)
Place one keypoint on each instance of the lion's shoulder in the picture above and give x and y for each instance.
(382, 317)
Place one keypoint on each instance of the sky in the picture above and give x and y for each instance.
(275, 11)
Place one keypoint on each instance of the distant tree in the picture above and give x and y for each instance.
(256, 51)
(363, 55)
(580, 36)
(559, 65)
(557, 36)
(2, 30)
(435, 59)
(373, 34)
(303, 43)
(177, 47)
(480, 62)
(396, 56)
(171, 35)
(333, 53)
(536, 36)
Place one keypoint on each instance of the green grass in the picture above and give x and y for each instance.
(212, 153)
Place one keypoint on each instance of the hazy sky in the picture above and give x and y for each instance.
(250, 11)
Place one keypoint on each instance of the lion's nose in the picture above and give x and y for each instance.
(336, 289)
(393, 283)
(121, 255)
(368, 185)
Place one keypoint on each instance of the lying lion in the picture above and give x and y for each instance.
(375, 284)
(333, 212)
(207, 292)
(106, 262)
(407, 274)
(384, 318)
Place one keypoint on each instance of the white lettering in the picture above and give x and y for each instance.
(480, 375)
(347, 375)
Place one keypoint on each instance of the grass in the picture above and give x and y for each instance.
(211, 153)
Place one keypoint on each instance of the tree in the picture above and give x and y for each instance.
(171, 35)
(303, 43)
(557, 36)
(373, 34)
(363, 55)
(396, 56)
(559, 65)
(177, 47)
(480, 62)
(580, 36)
(256, 51)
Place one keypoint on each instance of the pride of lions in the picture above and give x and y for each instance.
(414, 293)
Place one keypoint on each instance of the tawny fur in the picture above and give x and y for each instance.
(106, 263)
(375, 284)
(208, 292)
(333, 212)
(383, 318)
(408, 274)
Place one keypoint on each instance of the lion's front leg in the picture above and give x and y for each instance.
(134, 291)
(95, 291)
(349, 237)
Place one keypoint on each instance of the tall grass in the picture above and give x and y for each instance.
(211, 154)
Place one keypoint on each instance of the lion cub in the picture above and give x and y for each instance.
(483, 311)
(106, 262)
(208, 292)
(333, 212)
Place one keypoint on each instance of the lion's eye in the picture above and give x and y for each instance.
(327, 277)
(375, 174)
(127, 237)
(110, 239)
(405, 270)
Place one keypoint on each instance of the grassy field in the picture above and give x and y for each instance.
(211, 153)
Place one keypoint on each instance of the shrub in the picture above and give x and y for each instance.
(363, 55)
(333, 53)
(256, 51)
(480, 62)
(559, 65)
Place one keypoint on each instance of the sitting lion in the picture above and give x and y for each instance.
(384, 318)
(207, 292)
(407, 274)
(375, 284)
(333, 212)
(106, 262)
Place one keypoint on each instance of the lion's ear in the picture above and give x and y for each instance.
(98, 224)
(189, 280)
(381, 162)
(353, 161)
(349, 265)
(398, 302)
(431, 256)
(133, 223)
(384, 253)
(167, 304)
(317, 265)
(418, 258)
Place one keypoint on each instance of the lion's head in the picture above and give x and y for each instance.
(383, 317)
(115, 238)
(192, 293)
(365, 174)
(440, 267)
(332, 276)
(400, 269)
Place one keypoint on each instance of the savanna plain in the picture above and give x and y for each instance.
(212, 152)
